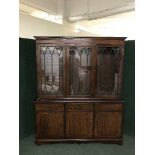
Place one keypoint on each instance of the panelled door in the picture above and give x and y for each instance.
(50, 121)
(108, 120)
(79, 120)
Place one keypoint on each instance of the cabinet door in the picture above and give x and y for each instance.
(108, 121)
(80, 65)
(109, 70)
(79, 121)
(50, 121)
(50, 59)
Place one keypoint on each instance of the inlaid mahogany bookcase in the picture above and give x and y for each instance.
(79, 89)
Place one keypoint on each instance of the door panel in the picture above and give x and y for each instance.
(50, 121)
(79, 125)
(80, 71)
(108, 65)
(51, 71)
(50, 125)
(108, 120)
(79, 121)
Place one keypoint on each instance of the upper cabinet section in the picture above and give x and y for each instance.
(79, 67)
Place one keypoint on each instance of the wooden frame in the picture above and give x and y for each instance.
(62, 118)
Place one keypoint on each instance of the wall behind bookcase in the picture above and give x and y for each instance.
(28, 86)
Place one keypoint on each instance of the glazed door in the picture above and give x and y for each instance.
(109, 70)
(80, 67)
(51, 64)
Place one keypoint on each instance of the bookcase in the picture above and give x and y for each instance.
(79, 89)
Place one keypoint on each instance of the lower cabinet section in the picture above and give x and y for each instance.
(80, 122)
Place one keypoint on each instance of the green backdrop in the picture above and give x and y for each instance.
(28, 86)
(129, 87)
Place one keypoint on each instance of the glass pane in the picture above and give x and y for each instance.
(79, 66)
(107, 71)
(51, 70)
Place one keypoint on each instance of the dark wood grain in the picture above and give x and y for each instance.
(79, 124)
(80, 118)
(50, 125)
(108, 124)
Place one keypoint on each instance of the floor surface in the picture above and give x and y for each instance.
(28, 147)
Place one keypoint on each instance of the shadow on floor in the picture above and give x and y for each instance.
(28, 147)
